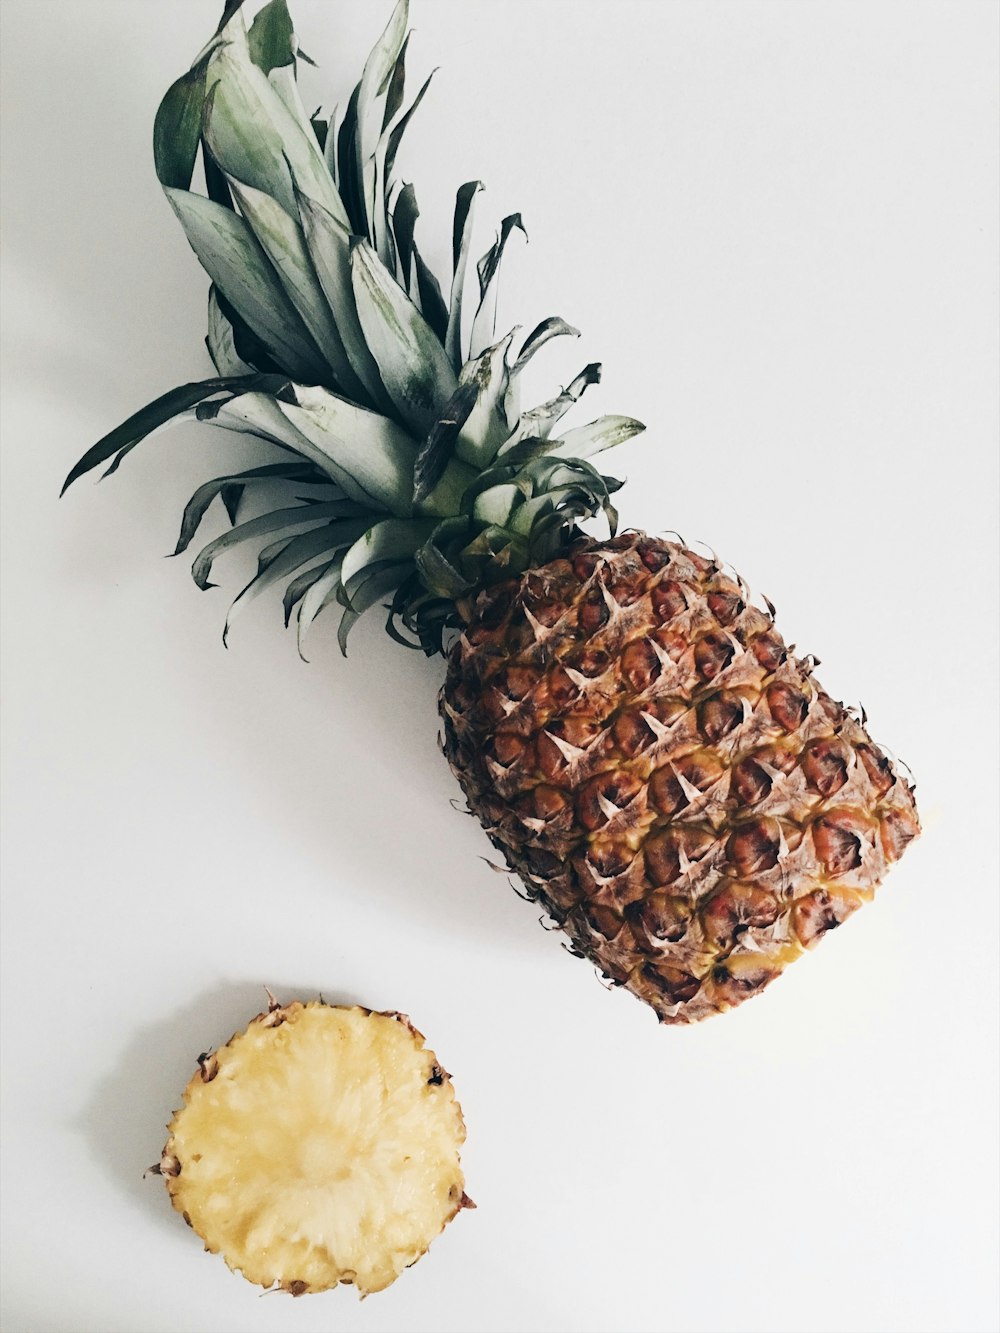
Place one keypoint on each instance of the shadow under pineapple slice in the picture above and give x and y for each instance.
(318, 1146)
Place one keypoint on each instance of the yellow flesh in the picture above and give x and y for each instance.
(321, 1151)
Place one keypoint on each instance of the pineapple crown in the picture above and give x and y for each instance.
(392, 405)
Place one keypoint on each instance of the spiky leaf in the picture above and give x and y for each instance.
(233, 259)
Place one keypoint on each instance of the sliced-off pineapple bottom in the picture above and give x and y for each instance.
(319, 1146)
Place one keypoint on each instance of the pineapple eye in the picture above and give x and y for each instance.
(837, 839)
(824, 763)
(788, 706)
(753, 849)
(878, 768)
(640, 665)
(720, 715)
(897, 830)
(712, 655)
(668, 600)
(734, 908)
(821, 911)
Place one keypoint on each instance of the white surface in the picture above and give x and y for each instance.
(776, 223)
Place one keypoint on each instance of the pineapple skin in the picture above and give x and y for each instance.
(664, 776)
(226, 1160)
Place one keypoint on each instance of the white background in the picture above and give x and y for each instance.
(776, 223)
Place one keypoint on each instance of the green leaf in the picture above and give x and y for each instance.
(604, 433)
(437, 450)
(330, 251)
(257, 140)
(488, 269)
(432, 303)
(155, 414)
(296, 516)
(375, 586)
(372, 93)
(299, 551)
(271, 37)
(461, 243)
(438, 574)
(364, 451)
(411, 361)
(221, 342)
(486, 427)
(316, 597)
(497, 504)
(537, 423)
(298, 588)
(404, 218)
(348, 182)
(261, 415)
(399, 129)
(282, 240)
(197, 506)
(177, 129)
(554, 327)
(392, 539)
(233, 259)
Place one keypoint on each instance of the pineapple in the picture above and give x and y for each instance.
(665, 777)
(319, 1146)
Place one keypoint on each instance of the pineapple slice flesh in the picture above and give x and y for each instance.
(319, 1146)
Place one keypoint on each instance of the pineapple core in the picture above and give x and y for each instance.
(319, 1146)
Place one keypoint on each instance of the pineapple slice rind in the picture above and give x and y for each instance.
(319, 1146)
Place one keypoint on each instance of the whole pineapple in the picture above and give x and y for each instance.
(664, 776)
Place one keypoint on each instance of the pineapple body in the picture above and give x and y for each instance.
(666, 778)
(319, 1146)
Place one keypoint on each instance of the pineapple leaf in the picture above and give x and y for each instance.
(316, 595)
(368, 455)
(438, 448)
(399, 129)
(296, 553)
(348, 184)
(376, 584)
(391, 540)
(536, 424)
(404, 218)
(486, 427)
(256, 139)
(215, 178)
(233, 259)
(271, 39)
(461, 242)
(282, 240)
(437, 573)
(605, 433)
(298, 588)
(221, 341)
(197, 506)
(432, 303)
(277, 520)
(330, 251)
(397, 86)
(496, 505)
(554, 327)
(488, 269)
(411, 361)
(131, 432)
(177, 129)
(370, 110)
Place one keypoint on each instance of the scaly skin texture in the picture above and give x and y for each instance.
(663, 775)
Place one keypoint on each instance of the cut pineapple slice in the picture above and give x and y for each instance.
(319, 1146)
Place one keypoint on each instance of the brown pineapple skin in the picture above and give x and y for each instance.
(664, 776)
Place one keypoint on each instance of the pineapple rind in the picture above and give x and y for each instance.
(319, 1146)
(665, 776)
